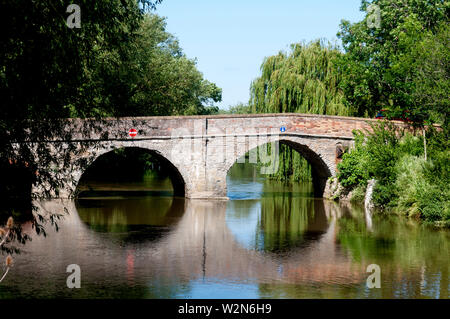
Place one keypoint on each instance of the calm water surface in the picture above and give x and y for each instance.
(268, 241)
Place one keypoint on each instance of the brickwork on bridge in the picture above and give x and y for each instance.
(201, 149)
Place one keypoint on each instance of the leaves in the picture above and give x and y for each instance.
(303, 80)
(384, 67)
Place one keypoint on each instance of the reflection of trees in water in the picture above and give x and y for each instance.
(200, 246)
(244, 171)
(283, 221)
(242, 209)
(285, 209)
(398, 240)
(15, 234)
(412, 255)
(131, 219)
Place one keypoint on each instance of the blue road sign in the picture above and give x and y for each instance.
(282, 129)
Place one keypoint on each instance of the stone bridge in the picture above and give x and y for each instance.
(199, 150)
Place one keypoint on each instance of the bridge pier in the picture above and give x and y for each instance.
(204, 182)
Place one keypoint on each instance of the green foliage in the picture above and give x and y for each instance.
(374, 156)
(421, 75)
(353, 168)
(303, 80)
(158, 79)
(382, 148)
(358, 194)
(384, 195)
(292, 166)
(403, 64)
(121, 62)
(239, 108)
(152, 76)
(417, 194)
(403, 67)
(422, 186)
(406, 182)
(48, 70)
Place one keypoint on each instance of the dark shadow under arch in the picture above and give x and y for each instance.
(143, 223)
(174, 174)
(96, 167)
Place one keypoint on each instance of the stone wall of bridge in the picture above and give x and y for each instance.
(162, 126)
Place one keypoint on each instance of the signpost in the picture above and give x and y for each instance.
(132, 132)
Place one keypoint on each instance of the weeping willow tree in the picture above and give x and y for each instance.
(302, 80)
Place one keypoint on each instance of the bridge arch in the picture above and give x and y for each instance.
(319, 169)
(83, 163)
(319, 153)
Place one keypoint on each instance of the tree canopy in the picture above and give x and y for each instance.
(401, 63)
(158, 79)
(120, 61)
(302, 80)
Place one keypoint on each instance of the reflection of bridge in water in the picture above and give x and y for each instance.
(200, 245)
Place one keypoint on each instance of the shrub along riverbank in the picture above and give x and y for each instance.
(408, 181)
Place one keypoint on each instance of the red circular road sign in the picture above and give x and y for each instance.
(132, 132)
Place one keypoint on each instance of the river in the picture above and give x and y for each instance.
(270, 240)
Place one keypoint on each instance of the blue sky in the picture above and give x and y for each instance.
(230, 38)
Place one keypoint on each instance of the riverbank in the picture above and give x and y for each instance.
(412, 174)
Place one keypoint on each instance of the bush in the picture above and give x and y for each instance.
(384, 195)
(352, 171)
(433, 205)
(374, 156)
(383, 152)
(410, 179)
(406, 182)
(359, 193)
